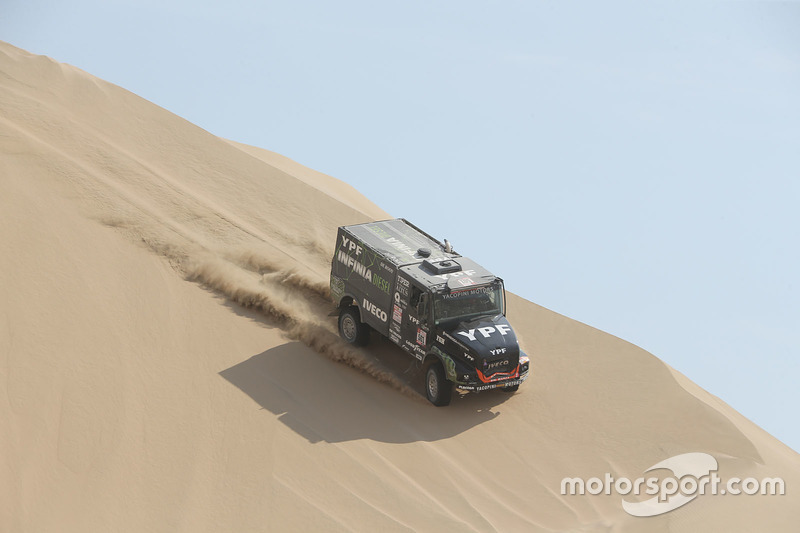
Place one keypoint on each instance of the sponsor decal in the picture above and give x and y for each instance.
(457, 274)
(497, 351)
(422, 337)
(394, 336)
(381, 283)
(413, 319)
(490, 366)
(486, 331)
(374, 309)
(352, 263)
(439, 339)
(401, 299)
(465, 282)
(469, 357)
(467, 292)
(397, 313)
(386, 267)
(400, 246)
(414, 349)
(455, 340)
(337, 287)
(489, 386)
(402, 282)
(450, 367)
(351, 245)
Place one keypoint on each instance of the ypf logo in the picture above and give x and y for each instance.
(503, 329)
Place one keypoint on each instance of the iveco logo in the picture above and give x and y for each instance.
(374, 309)
(496, 364)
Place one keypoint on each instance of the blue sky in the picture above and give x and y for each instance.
(631, 165)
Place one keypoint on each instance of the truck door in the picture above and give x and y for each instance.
(416, 327)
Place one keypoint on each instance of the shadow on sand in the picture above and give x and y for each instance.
(326, 401)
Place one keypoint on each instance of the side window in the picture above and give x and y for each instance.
(419, 302)
(422, 308)
(415, 294)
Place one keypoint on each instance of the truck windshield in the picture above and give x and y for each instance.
(469, 303)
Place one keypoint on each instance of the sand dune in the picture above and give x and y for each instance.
(168, 363)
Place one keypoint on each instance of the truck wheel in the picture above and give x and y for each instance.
(437, 388)
(512, 388)
(351, 329)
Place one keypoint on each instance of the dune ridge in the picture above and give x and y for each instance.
(185, 226)
(164, 309)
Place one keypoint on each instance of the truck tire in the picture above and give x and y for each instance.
(512, 388)
(351, 329)
(437, 388)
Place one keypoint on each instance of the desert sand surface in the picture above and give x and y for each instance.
(167, 362)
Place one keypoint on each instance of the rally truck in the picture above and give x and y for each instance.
(443, 309)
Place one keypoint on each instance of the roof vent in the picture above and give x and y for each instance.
(424, 252)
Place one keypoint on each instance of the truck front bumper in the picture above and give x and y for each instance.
(476, 381)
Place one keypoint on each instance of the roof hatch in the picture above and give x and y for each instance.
(445, 266)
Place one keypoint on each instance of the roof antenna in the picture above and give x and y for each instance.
(447, 247)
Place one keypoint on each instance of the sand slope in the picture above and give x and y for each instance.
(167, 363)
